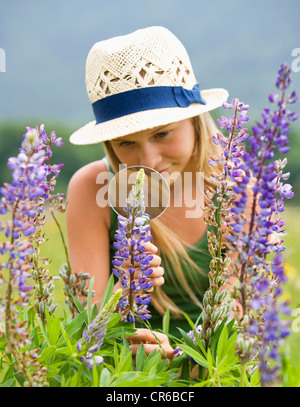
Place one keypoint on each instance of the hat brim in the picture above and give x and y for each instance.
(93, 133)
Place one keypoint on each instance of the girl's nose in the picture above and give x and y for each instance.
(149, 155)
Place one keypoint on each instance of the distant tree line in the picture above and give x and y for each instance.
(73, 157)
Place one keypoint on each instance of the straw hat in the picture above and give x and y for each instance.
(140, 81)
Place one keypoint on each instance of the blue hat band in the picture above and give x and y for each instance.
(141, 99)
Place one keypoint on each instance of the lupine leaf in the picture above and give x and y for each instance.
(53, 330)
(188, 340)
(76, 324)
(195, 355)
(96, 377)
(47, 353)
(192, 325)
(166, 321)
(140, 357)
(153, 358)
(221, 347)
(107, 292)
(105, 377)
(89, 301)
(79, 306)
(216, 336)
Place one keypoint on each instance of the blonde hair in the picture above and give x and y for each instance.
(168, 242)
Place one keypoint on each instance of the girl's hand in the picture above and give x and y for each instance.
(151, 340)
(157, 274)
(155, 264)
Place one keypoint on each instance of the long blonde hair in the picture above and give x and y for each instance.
(168, 242)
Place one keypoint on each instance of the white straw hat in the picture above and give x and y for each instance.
(140, 81)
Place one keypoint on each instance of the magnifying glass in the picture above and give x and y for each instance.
(156, 191)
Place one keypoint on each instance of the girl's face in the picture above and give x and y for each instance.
(168, 148)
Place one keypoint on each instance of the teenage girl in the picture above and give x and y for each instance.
(150, 111)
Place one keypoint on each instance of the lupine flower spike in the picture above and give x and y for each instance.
(23, 199)
(259, 279)
(93, 337)
(216, 303)
(133, 231)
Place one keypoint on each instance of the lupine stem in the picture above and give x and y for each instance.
(131, 276)
(62, 238)
(243, 372)
(9, 288)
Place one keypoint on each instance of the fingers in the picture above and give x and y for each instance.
(153, 271)
(156, 277)
(151, 340)
(166, 352)
(155, 260)
(151, 247)
(146, 335)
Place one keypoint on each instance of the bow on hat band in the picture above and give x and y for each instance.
(138, 100)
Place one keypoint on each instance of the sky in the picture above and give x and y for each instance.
(234, 44)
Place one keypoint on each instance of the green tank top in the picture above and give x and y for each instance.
(199, 281)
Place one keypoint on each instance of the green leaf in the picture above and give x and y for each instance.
(79, 306)
(96, 378)
(126, 362)
(177, 362)
(44, 332)
(31, 316)
(94, 312)
(140, 357)
(152, 360)
(166, 321)
(193, 326)
(216, 336)
(9, 383)
(126, 379)
(116, 356)
(195, 355)
(68, 342)
(76, 324)
(114, 319)
(53, 330)
(107, 292)
(47, 353)
(125, 342)
(9, 374)
(210, 362)
(89, 301)
(188, 340)
(105, 377)
(221, 347)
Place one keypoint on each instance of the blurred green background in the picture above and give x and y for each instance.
(235, 44)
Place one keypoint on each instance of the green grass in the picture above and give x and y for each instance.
(292, 266)
(53, 250)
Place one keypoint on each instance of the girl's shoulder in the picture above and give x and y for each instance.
(83, 188)
(88, 173)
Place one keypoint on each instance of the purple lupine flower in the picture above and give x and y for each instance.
(24, 199)
(93, 337)
(260, 278)
(132, 233)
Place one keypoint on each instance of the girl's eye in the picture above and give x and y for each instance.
(125, 143)
(156, 136)
(162, 134)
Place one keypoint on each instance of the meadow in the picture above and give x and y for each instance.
(53, 249)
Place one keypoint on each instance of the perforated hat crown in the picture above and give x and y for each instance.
(140, 81)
